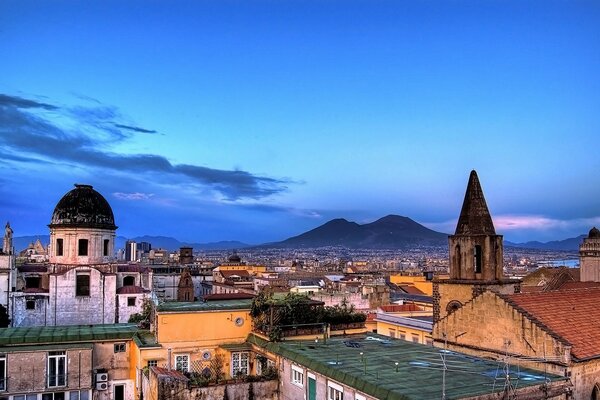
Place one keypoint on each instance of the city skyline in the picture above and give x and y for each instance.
(259, 121)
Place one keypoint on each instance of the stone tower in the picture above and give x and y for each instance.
(589, 257)
(185, 288)
(476, 256)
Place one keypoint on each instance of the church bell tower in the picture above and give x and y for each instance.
(476, 256)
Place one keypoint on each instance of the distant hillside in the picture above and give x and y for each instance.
(571, 244)
(392, 231)
(164, 242)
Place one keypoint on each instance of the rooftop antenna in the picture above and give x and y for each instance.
(509, 390)
(444, 366)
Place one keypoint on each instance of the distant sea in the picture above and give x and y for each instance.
(574, 263)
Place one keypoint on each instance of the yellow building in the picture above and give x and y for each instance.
(194, 337)
(407, 322)
(419, 282)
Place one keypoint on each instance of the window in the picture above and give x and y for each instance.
(59, 247)
(129, 281)
(119, 392)
(152, 363)
(82, 285)
(334, 391)
(429, 342)
(57, 369)
(79, 395)
(105, 247)
(30, 305)
(415, 338)
(477, 259)
(239, 363)
(131, 302)
(2, 372)
(392, 333)
(54, 396)
(82, 249)
(26, 397)
(120, 347)
(297, 376)
(32, 282)
(182, 362)
(402, 335)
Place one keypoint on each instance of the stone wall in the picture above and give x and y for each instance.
(27, 370)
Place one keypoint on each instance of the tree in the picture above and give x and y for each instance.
(143, 318)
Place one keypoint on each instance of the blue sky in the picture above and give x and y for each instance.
(256, 121)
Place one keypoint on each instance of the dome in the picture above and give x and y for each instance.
(83, 207)
(234, 258)
(594, 233)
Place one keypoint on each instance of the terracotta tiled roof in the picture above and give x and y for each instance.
(400, 307)
(131, 290)
(173, 373)
(573, 315)
(236, 272)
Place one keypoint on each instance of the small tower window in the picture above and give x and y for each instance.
(83, 247)
(30, 305)
(59, 247)
(477, 259)
(105, 247)
(128, 281)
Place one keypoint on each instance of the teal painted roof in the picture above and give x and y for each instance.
(418, 375)
(39, 335)
(175, 306)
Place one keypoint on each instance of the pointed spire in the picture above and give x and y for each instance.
(475, 218)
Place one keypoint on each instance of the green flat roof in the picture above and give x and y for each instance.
(418, 375)
(176, 306)
(37, 335)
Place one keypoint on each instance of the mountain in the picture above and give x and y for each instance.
(392, 231)
(21, 242)
(571, 244)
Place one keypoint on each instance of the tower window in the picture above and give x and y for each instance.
(82, 285)
(477, 259)
(83, 247)
(30, 305)
(105, 247)
(129, 281)
(59, 247)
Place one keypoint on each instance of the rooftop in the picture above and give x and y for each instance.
(176, 306)
(65, 334)
(572, 314)
(418, 374)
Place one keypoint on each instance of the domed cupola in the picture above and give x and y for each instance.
(83, 207)
(594, 233)
(82, 228)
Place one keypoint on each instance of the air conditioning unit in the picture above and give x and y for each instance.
(102, 377)
(101, 385)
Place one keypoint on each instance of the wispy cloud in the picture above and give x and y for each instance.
(133, 196)
(31, 131)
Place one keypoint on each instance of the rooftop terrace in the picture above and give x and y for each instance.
(390, 369)
(65, 334)
(175, 306)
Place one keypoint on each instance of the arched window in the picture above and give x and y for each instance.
(596, 393)
(128, 281)
(453, 306)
